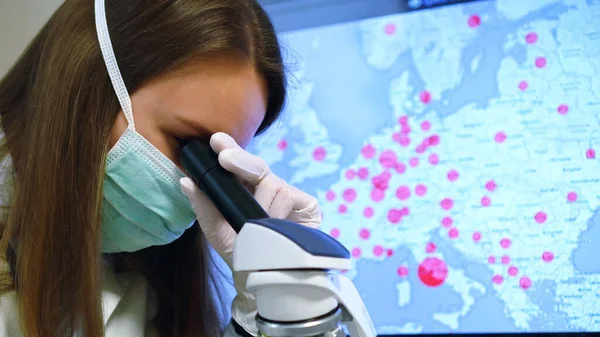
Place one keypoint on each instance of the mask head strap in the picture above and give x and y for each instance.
(110, 61)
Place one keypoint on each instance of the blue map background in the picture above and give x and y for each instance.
(351, 111)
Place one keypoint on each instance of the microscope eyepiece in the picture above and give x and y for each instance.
(231, 198)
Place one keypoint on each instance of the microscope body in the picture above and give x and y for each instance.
(294, 275)
(293, 269)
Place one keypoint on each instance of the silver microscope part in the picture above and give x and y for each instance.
(326, 326)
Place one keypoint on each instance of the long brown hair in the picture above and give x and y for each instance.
(57, 108)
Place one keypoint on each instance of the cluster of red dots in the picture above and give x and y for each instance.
(432, 271)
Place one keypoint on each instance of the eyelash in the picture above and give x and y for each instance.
(182, 139)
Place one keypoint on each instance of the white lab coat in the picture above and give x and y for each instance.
(128, 305)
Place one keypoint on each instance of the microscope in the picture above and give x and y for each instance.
(293, 269)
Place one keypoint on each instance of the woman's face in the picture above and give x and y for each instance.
(220, 94)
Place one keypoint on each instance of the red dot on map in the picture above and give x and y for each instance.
(491, 260)
(396, 137)
(394, 215)
(540, 217)
(476, 236)
(525, 282)
(350, 174)
(434, 140)
(590, 154)
(387, 159)
(453, 233)
(402, 120)
(390, 29)
(421, 148)
(486, 201)
(548, 256)
(403, 192)
(413, 162)
(330, 195)
(505, 243)
(363, 173)
(563, 109)
(523, 85)
(342, 209)
(447, 221)
(364, 234)
(500, 137)
(368, 212)
(378, 250)
(541, 62)
(404, 141)
(431, 247)
(319, 153)
(400, 168)
(497, 279)
(452, 175)
(425, 97)
(349, 194)
(490, 185)
(447, 204)
(402, 271)
(377, 181)
(572, 197)
(356, 252)
(474, 21)
(434, 159)
(425, 125)
(404, 211)
(420, 190)
(513, 271)
(531, 38)
(377, 194)
(335, 233)
(368, 151)
(386, 175)
(382, 184)
(405, 129)
(389, 253)
(505, 259)
(282, 145)
(432, 272)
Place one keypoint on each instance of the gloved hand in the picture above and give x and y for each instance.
(278, 199)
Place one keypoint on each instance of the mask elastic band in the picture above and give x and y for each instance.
(111, 62)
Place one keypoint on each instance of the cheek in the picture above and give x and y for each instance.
(169, 147)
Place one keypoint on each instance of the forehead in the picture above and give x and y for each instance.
(221, 94)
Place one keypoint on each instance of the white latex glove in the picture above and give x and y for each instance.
(278, 199)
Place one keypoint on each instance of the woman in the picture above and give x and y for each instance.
(99, 237)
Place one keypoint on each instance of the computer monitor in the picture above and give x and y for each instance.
(453, 146)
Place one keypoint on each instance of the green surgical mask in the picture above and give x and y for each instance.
(143, 204)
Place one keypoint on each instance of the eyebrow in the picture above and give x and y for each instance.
(194, 129)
